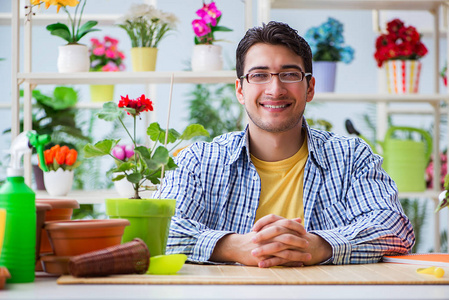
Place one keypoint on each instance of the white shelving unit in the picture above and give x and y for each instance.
(264, 8)
(29, 79)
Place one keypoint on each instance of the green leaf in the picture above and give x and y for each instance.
(118, 177)
(63, 98)
(156, 133)
(126, 166)
(99, 149)
(134, 178)
(85, 29)
(194, 130)
(61, 30)
(221, 28)
(110, 112)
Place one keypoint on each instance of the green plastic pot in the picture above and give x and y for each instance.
(149, 218)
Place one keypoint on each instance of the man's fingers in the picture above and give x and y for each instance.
(264, 221)
(281, 228)
(279, 261)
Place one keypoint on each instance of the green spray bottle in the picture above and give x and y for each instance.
(19, 245)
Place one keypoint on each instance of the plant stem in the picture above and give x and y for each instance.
(120, 119)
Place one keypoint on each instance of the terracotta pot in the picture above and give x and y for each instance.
(41, 209)
(75, 237)
(62, 209)
(58, 265)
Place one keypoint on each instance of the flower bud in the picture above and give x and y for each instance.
(118, 152)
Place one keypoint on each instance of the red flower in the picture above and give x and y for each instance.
(400, 42)
(136, 106)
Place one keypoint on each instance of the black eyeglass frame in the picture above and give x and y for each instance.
(271, 77)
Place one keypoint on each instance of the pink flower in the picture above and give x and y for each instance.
(110, 53)
(111, 40)
(209, 13)
(200, 27)
(99, 51)
(110, 67)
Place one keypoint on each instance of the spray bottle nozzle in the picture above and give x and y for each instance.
(38, 142)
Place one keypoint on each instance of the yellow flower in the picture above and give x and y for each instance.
(57, 3)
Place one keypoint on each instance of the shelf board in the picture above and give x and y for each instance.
(46, 19)
(428, 5)
(337, 97)
(128, 77)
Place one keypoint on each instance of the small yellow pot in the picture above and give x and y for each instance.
(102, 92)
(144, 59)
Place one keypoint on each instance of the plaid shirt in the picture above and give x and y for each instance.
(349, 200)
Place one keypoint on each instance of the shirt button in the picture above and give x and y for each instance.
(254, 177)
(249, 214)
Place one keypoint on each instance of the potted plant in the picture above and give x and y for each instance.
(73, 57)
(60, 161)
(207, 56)
(146, 26)
(149, 218)
(399, 51)
(104, 57)
(327, 44)
(444, 195)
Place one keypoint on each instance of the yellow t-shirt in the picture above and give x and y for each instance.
(282, 185)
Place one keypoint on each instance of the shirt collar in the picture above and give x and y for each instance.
(313, 146)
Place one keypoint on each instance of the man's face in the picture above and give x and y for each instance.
(274, 106)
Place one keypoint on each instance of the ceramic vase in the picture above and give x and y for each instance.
(144, 59)
(324, 73)
(150, 220)
(73, 58)
(402, 76)
(59, 182)
(124, 188)
(102, 92)
(207, 58)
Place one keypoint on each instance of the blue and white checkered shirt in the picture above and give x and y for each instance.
(349, 200)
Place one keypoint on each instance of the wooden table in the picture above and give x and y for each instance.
(377, 281)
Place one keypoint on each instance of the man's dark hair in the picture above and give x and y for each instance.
(274, 33)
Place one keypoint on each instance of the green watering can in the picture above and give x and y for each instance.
(405, 160)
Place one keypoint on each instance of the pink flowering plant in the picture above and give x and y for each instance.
(136, 163)
(207, 25)
(105, 56)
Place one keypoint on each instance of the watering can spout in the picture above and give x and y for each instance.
(351, 129)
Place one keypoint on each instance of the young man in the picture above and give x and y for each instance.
(281, 193)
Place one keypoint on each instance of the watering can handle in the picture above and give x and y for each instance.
(424, 133)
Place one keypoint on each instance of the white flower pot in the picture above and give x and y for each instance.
(73, 58)
(124, 188)
(59, 182)
(207, 58)
(324, 73)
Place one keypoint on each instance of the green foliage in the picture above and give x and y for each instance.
(416, 213)
(55, 115)
(320, 124)
(215, 107)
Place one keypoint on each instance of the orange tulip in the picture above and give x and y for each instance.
(60, 156)
(71, 157)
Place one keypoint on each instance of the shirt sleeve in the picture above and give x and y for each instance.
(368, 221)
(188, 234)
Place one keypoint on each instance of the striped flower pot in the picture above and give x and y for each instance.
(402, 76)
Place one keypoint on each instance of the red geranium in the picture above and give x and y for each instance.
(400, 42)
(135, 107)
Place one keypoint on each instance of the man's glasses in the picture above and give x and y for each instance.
(265, 77)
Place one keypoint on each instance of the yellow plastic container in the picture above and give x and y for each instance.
(2, 227)
(144, 59)
(102, 92)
